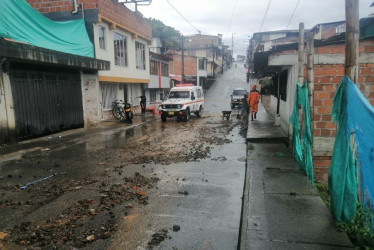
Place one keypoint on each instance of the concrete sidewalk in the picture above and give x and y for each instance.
(281, 209)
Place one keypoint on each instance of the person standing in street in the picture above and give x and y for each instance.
(244, 110)
(143, 101)
(248, 74)
(253, 100)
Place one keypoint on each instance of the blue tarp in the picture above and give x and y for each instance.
(353, 148)
(20, 22)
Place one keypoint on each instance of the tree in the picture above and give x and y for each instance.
(170, 37)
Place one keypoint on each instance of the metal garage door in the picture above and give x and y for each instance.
(46, 102)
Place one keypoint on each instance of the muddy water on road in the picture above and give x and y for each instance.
(201, 198)
(119, 188)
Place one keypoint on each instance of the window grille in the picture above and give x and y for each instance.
(140, 55)
(120, 50)
(102, 37)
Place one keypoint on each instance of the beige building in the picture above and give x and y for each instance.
(206, 46)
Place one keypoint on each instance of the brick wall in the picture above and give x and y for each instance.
(111, 9)
(43, 6)
(326, 80)
(190, 65)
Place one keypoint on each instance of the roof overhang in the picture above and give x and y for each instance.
(261, 65)
(20, 52)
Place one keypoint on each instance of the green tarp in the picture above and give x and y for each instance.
(354, 117)
(302, 151)
(20, 22)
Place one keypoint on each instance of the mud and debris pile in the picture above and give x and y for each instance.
(94, 187)
(157, 238)
(86, 221)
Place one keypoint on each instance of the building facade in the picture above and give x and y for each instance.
(43, 91)
(209, 47)
(120, 36)
(194, 68)
(328, 70)
(159, 80)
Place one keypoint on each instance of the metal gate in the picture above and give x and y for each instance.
(46, 102)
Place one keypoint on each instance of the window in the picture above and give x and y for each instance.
(140, 55)
(164, 69)
(153, 68)
(340, 29)
(282, 85)
(120, 50)
(201, 64)
(179, 94)
(152, 95)
(102, 41)
(198, 93)
(109, 93)
(239, 92)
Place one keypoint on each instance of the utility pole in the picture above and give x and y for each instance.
(183, 76)
(232, 43)
(310, 69)
(301, 54)
(213, 59)
(300, 77)
(351, 39)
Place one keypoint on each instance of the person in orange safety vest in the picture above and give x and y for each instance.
(253, 100)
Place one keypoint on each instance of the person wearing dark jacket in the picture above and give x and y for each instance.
(143, 101)
(244, 109)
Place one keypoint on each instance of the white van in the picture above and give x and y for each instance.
(182, 102)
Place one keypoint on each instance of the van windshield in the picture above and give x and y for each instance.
(239, 92)
(179, 94)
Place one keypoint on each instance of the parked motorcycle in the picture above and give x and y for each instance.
(129, 114)
(122, 111)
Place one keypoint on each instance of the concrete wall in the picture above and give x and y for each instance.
(154, 84)
(286, 107)
(7, 119)
(266, 102)
(91, 101)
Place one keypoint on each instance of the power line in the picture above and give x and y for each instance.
(266, 12)
(233, 11)
(292, 14)
(198, 31)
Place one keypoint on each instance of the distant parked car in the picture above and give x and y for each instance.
(237, 96)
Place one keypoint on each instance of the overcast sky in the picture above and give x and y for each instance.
(241, 18)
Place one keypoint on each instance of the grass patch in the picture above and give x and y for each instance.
(359, 229)
(3, 146)
(323, 191)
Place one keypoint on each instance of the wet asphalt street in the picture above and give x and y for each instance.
(217, 98)
(182, 183)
